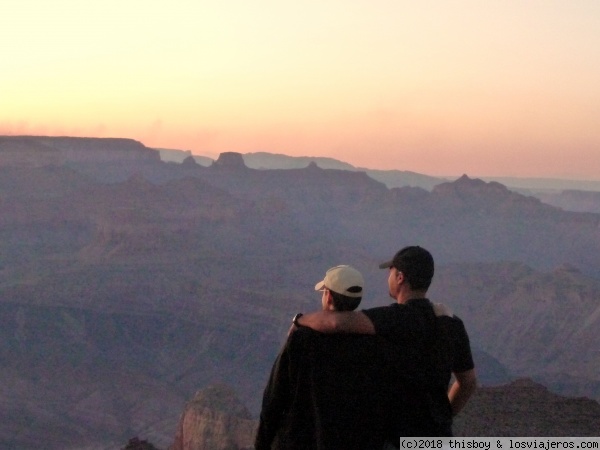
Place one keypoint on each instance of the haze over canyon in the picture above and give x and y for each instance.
(129, 282)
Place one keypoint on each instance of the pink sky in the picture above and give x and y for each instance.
(495, 88)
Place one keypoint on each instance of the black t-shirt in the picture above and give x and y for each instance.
(425, 350)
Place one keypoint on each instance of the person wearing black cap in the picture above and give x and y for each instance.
(323, 389)
(430, 345)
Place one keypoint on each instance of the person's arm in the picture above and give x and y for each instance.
(338, 322)
(462, 389)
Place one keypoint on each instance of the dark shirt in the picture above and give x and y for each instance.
(324, 393)
(426, 349)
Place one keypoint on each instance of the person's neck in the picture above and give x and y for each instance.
(404, 297)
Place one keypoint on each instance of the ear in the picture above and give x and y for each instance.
(329, 300)
(399, 277)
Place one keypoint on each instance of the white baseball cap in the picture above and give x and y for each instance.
(342, 278)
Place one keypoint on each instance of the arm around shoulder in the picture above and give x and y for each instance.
(338, 322)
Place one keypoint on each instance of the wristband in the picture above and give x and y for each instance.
(295, 319)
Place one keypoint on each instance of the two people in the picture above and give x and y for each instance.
(398, 364)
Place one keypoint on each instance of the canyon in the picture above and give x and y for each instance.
(128, 283)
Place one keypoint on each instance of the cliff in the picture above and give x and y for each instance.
(39, 151)
(215, 420)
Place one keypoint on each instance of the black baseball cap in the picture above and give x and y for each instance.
(415, 263)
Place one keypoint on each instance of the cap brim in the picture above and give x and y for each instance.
(320, 286)
(386, 265)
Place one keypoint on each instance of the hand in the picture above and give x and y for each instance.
(295, 324)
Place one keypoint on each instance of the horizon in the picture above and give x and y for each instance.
(447, 177)
(499, 89)
(454, 176)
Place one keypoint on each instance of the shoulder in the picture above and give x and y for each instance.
(454, 325)
(388, 318)
(393, 308)
(298, 345)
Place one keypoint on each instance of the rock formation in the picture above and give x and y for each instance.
(524, 408)
(39, 151)
(215, 420)
(229, 160)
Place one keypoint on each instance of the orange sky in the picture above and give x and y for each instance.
(494, 88)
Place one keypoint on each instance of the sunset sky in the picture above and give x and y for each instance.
(482, 87)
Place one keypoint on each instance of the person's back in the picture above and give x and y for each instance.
(336, 401)
(424, 349)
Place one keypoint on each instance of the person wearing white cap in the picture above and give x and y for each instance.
(323, 391)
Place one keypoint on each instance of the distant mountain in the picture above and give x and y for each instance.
(127, 285)
(533, 186)
(271, 161)
(268, 161)
(178, 156)
(538, 187)
(573, 200)
(38, 151)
